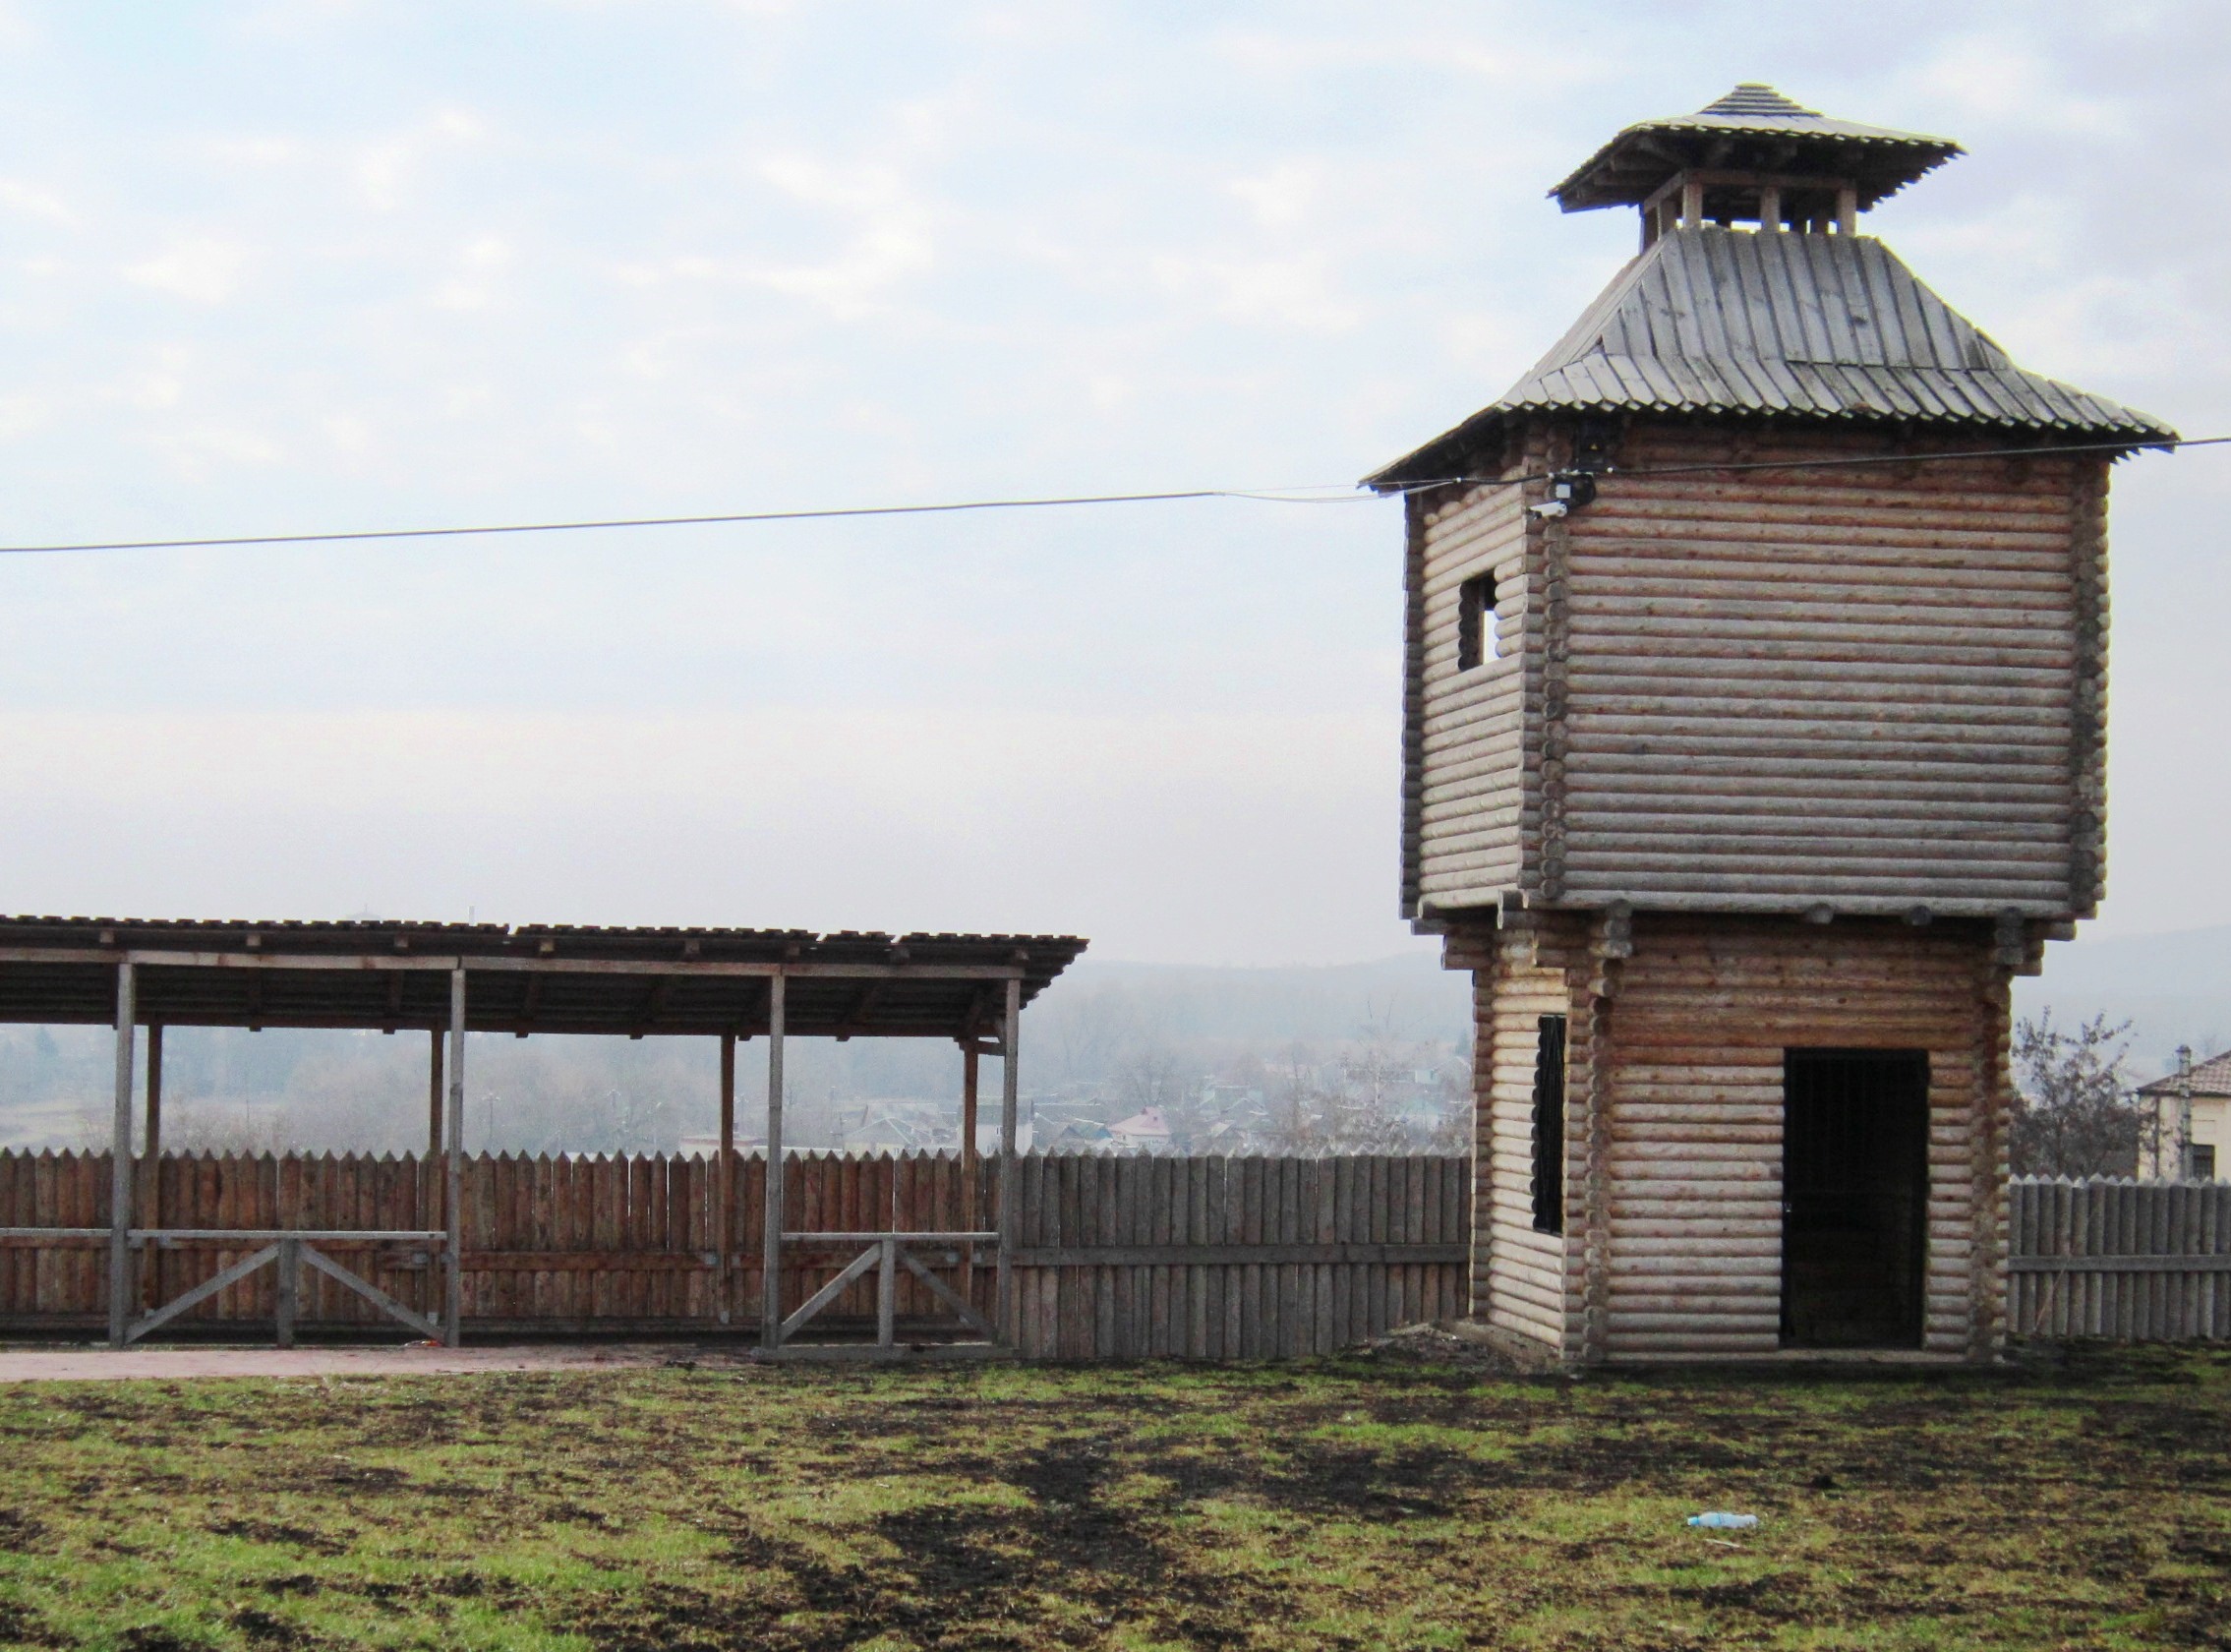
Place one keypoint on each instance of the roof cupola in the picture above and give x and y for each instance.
(1751, 157)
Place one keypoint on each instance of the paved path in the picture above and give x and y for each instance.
(167, 1362)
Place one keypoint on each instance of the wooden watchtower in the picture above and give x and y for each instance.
(1754, 739)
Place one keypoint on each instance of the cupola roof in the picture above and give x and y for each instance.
(1753, 129)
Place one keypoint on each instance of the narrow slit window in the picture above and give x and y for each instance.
(1549, 1126)
(1476, 639)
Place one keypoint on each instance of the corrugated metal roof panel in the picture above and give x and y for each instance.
(533, 979)
(1715, 320)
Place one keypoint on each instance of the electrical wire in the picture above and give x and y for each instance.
(1307, 493)
(1347, 496)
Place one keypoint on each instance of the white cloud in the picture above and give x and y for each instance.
(200, 269)
(33, 201)
(1282, 197)
(1988, 78)
(258, 153)
(479, 265)
(199, 450)
(890, 240)
(386, 170)
(1459, 51)
(20, 415)
(1292, 292)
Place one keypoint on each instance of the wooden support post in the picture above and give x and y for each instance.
(1692, 204)
(1847, 211)
(434, 1096)
(150, 1165)
(887, 1293)
(120, 1168)
(434, 1178)
(454, 1171)
(289, 1288)
(1770, 207)
(771, 1242)
(971, 1170)
(1010, 1045)
(723, 1183)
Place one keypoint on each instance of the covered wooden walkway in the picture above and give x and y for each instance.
(453, 978)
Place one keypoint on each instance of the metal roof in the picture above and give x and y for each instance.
(1753, 128)
(530, 978)
(1711, 320)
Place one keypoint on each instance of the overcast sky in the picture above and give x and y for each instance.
(307, 265)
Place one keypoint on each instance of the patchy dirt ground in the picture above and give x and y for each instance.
(1394, 1502)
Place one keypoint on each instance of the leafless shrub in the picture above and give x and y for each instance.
(2075, 1114)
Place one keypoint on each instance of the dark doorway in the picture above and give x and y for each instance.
(1855, 1197)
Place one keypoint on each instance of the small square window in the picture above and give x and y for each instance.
(2202, 1155)
(1476, 639)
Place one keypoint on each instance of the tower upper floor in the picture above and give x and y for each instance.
(1776, 584)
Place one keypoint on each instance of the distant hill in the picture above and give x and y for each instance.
(1410, 995)
(2173, 988)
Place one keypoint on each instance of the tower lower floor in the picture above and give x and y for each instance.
(1722, 1135)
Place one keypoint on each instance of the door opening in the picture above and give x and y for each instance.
(1855, 1197)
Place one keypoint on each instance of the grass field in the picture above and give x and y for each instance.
(1358, 1503)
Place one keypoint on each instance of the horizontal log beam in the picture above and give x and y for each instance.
(377, 963)
(1230, 1256)
(2219, 1263)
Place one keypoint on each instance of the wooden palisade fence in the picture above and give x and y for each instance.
(1131, 1257)
(1114, 1257)
(2135, 1261)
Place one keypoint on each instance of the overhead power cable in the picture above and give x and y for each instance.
(1312, 494)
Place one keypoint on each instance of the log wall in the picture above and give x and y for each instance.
(1854, 687)
(1117, 1258)
(1876, 687)
(1474, 793)
(1674, 1109)
(1523, 1280)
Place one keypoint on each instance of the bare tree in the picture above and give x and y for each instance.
(2075, 1114)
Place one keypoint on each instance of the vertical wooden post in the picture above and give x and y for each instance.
(771, 1240)
(1010, 1043)
(1692, 204)
(1770, 207)
(723, 1183)
(120, 1167)
(289, 1289)
(453, 1169)
(434, 1096)
(150, 1165)
(887, 1293)
(1847, 211)
(433, 1177)
(970, 1166)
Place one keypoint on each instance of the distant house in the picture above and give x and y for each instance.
(1149, 1129)
(2204, 1137)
